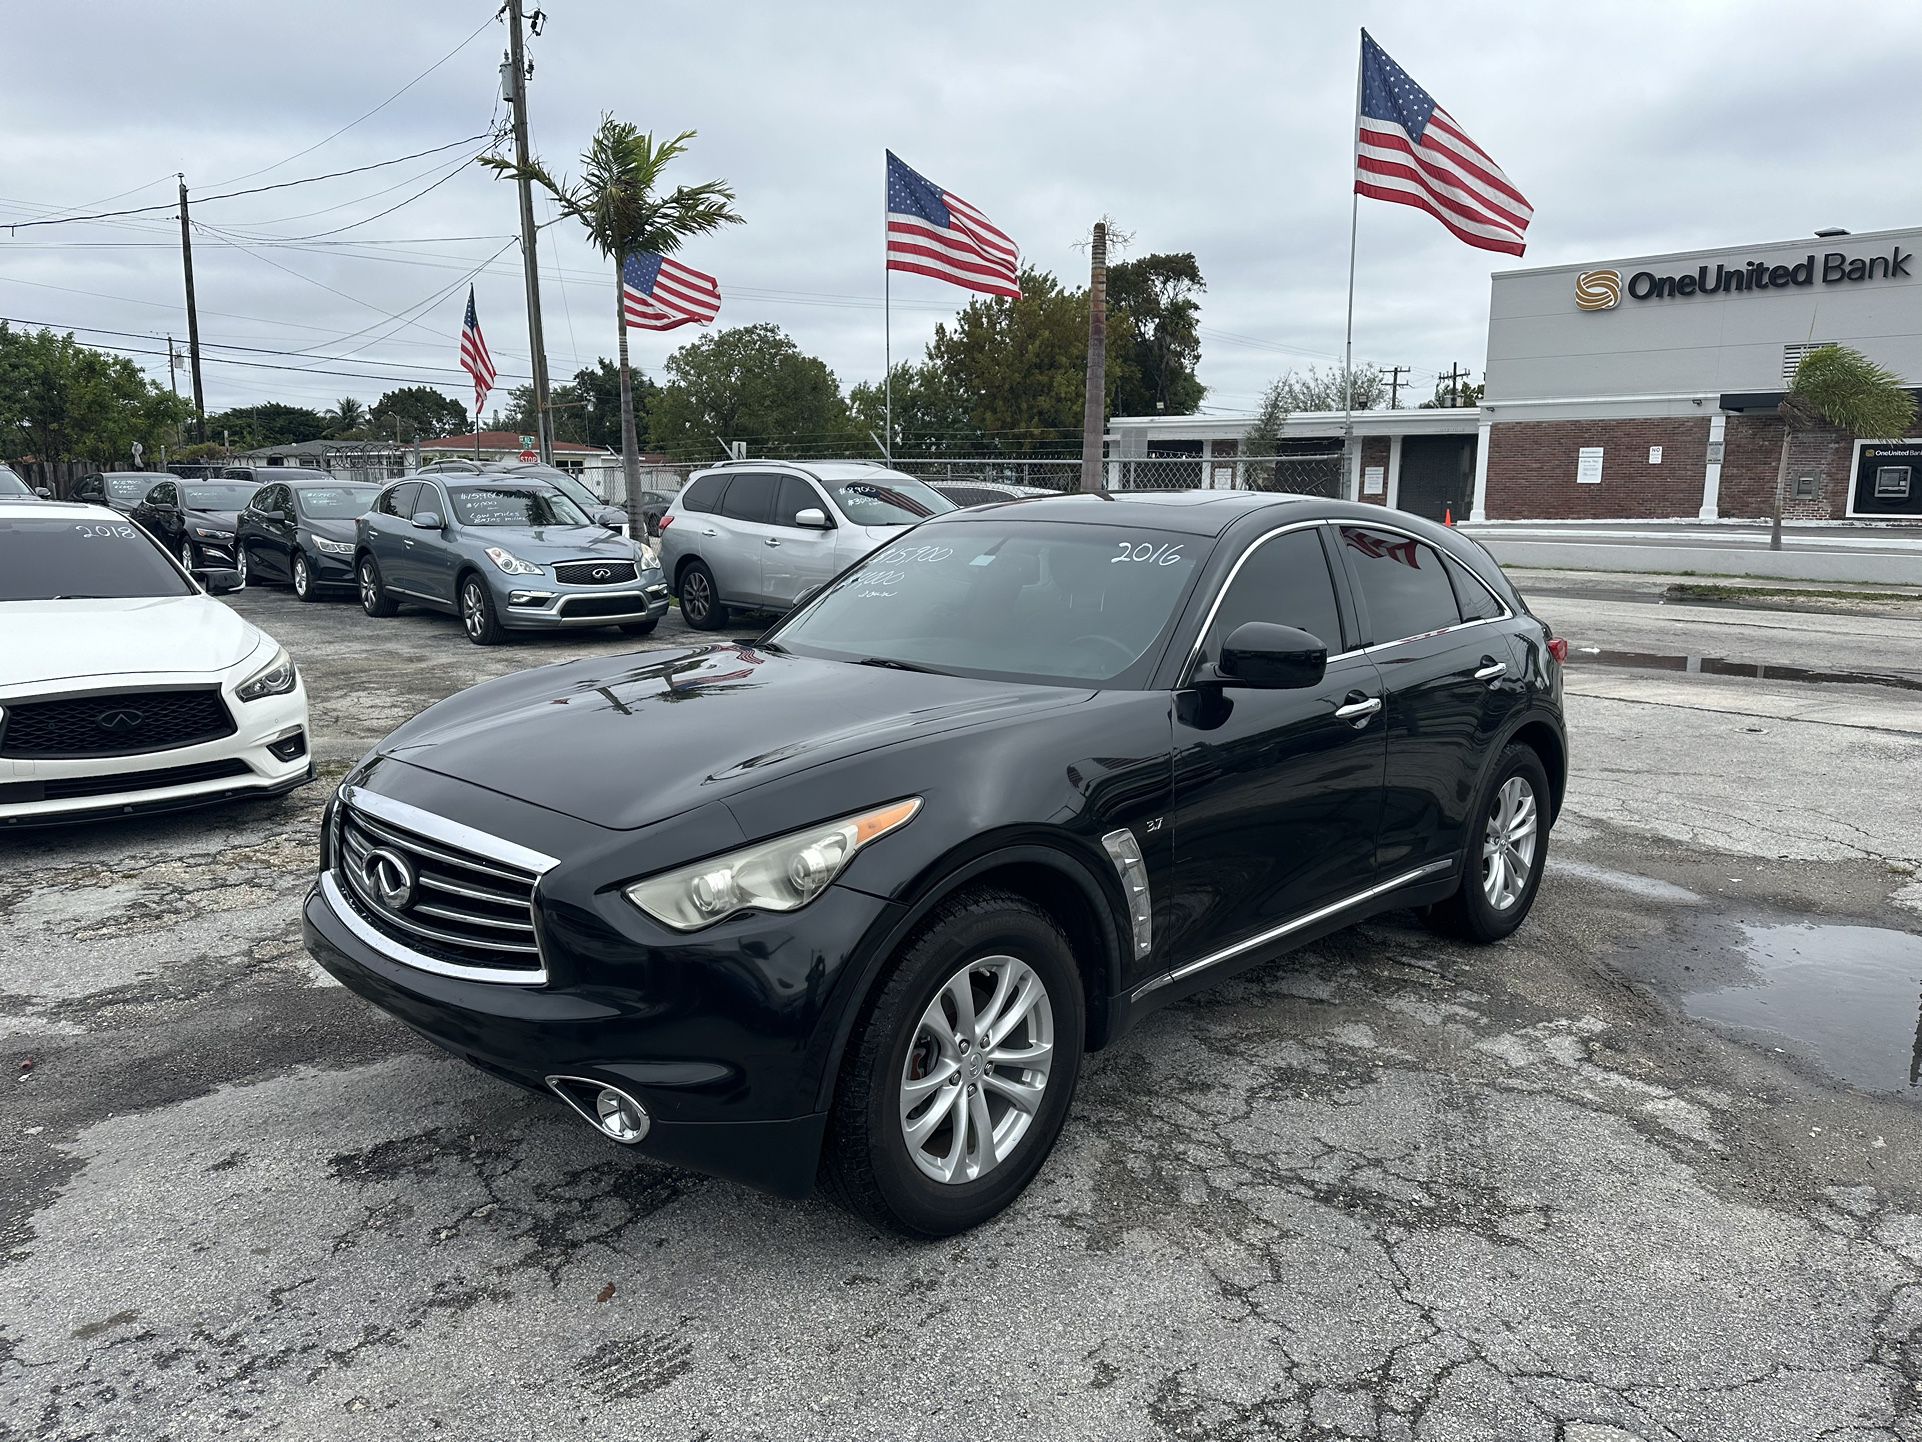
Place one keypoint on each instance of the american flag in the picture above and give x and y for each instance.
(660, 293)
(474, 358)
(934, 232)
(1411, 151)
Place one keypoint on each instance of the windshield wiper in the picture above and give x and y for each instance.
(79, 596)
(893, 665)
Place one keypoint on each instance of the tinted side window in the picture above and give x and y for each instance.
(795, 496)
(1403, 586)
(704, 496)
(1477, 602)
(162, 494)
(751, 497)
(400, 500)
(1284, 581)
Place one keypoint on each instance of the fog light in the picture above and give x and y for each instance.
(289, 748)
(620, 1116)
(529, 598)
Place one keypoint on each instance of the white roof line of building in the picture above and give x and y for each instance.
(1816, 241)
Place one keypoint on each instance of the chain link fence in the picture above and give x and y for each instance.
(1316, 474)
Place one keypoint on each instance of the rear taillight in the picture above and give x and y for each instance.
(667, 521)
(1558, 648)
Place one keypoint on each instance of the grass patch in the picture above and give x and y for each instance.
(1702, 591)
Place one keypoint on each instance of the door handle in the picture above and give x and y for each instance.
(1357, 708)
(710, 533)
(772, 541)
(1491, 669)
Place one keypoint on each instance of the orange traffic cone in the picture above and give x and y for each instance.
(1448, 514)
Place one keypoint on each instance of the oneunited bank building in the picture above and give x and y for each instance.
(1648, 387)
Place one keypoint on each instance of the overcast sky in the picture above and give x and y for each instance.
(1225, 129)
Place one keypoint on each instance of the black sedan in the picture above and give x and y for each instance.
(852, 901)
(122, 491)
(194, 519)
(300, 532)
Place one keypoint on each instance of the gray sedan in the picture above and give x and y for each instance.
(502, 555)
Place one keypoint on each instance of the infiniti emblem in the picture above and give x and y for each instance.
(117, 720)
(391, 876)
(601, 573)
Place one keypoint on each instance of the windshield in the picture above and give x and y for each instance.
(333, 503)
(11, 484)
(216, 496)
(576, 490)
(1031, 601)
(132, 485)
(46, 560)
(514, 506)
(896, 501)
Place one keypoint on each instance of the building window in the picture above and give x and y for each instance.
(1805, 488)
(1892, 483)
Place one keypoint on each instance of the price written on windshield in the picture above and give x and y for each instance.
(915, 553)
(1148, 554)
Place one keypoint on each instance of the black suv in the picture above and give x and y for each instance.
(1018, 777)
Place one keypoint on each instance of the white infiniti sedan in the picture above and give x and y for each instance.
(124, 686)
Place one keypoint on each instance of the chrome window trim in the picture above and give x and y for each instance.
(1306, 919)
(1394, 530)
(439, 828)
(1186, 677)
(393, 950)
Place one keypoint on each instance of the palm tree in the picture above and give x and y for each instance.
(1839, 387)
(618, 201)
(347, 415)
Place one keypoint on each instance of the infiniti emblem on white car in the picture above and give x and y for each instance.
(391, 877)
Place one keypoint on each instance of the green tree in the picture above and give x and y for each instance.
(748, 383)
(1839, 387)
(618, 201)
(267, 424)
(416, 413)
(60, 400)
(599, 388)
(1157, 293)
(1462, 393)
(1263, 438)
(1317, 388)
(930, 417)
(347, 420)
(1020, 366)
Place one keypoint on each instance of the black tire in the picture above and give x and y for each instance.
(301, 575)
(477, 615)
(701, 605)
(1470, 914)
(866, 1164)
(638, 628)
(374, 599)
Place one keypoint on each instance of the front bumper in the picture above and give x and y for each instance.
(332, 570)
(267, 755)
(723, 1036)
(540, 603)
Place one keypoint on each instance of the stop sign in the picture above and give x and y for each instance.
(529, 456)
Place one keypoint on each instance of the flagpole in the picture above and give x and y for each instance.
(887, 332)
(1348, 344)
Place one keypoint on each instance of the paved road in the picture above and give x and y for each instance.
(1385, 1188)
(1837, 554)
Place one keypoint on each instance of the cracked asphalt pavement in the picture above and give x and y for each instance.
(1387, 1187)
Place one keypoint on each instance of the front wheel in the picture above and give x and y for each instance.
(240, 565)
(958, 1080)
(188, 560)
(1507, 849)
(477, 614)
(374, 599)
(302, 576)
(701, 604)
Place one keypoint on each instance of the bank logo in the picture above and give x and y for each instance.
(1598, 290)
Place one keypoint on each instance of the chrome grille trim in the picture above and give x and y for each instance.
(393, 950)
(581, 573)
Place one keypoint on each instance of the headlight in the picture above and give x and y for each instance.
(333, 548)
(276, 678)
(648, 556)
(780, 875)
(208, 533)
(511, 563)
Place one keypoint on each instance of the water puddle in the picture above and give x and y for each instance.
(1753, 670)
(1848, 998)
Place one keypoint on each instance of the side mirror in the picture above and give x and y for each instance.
(813, 517)
(427, 520)
(218, 578)
(43, 493)
(611, 517)
(1266, 657)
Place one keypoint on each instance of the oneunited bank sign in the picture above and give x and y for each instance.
(1604, 289)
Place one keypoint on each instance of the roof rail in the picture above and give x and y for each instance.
(794, 461)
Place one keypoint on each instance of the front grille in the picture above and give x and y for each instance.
(66, 788)
(461, 907)
(628, 604)
(594, 573)
(114, 723)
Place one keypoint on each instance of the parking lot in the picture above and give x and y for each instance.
(1650, 1169)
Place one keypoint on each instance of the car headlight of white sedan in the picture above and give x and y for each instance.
(276, 678)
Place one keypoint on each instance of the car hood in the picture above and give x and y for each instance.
(553, 543)
(225, 520)
(341, 529)
(626, 741)
(74, 640)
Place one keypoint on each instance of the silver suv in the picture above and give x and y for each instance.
(759, 535)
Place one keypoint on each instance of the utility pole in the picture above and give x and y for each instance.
(1456, 375)
(173, 367)
(530, 262)
(193, 316)
(1094, 409)
(1395, 373)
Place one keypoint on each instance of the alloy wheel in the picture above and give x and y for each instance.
(696, 599)
(473, 612)
(369, 586)
(187, 554)
(303, 582)
(1508, 844)
(976, 1069)
(240, 563)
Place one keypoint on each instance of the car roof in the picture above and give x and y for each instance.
(301, 482)
(35, 505)
(1197, 513)
(831, 472)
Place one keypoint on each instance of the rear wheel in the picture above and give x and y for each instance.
(477, 614)
(959, 1079)
(701, 604)
(374, 599)
(1507, 849)
(302, 576)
